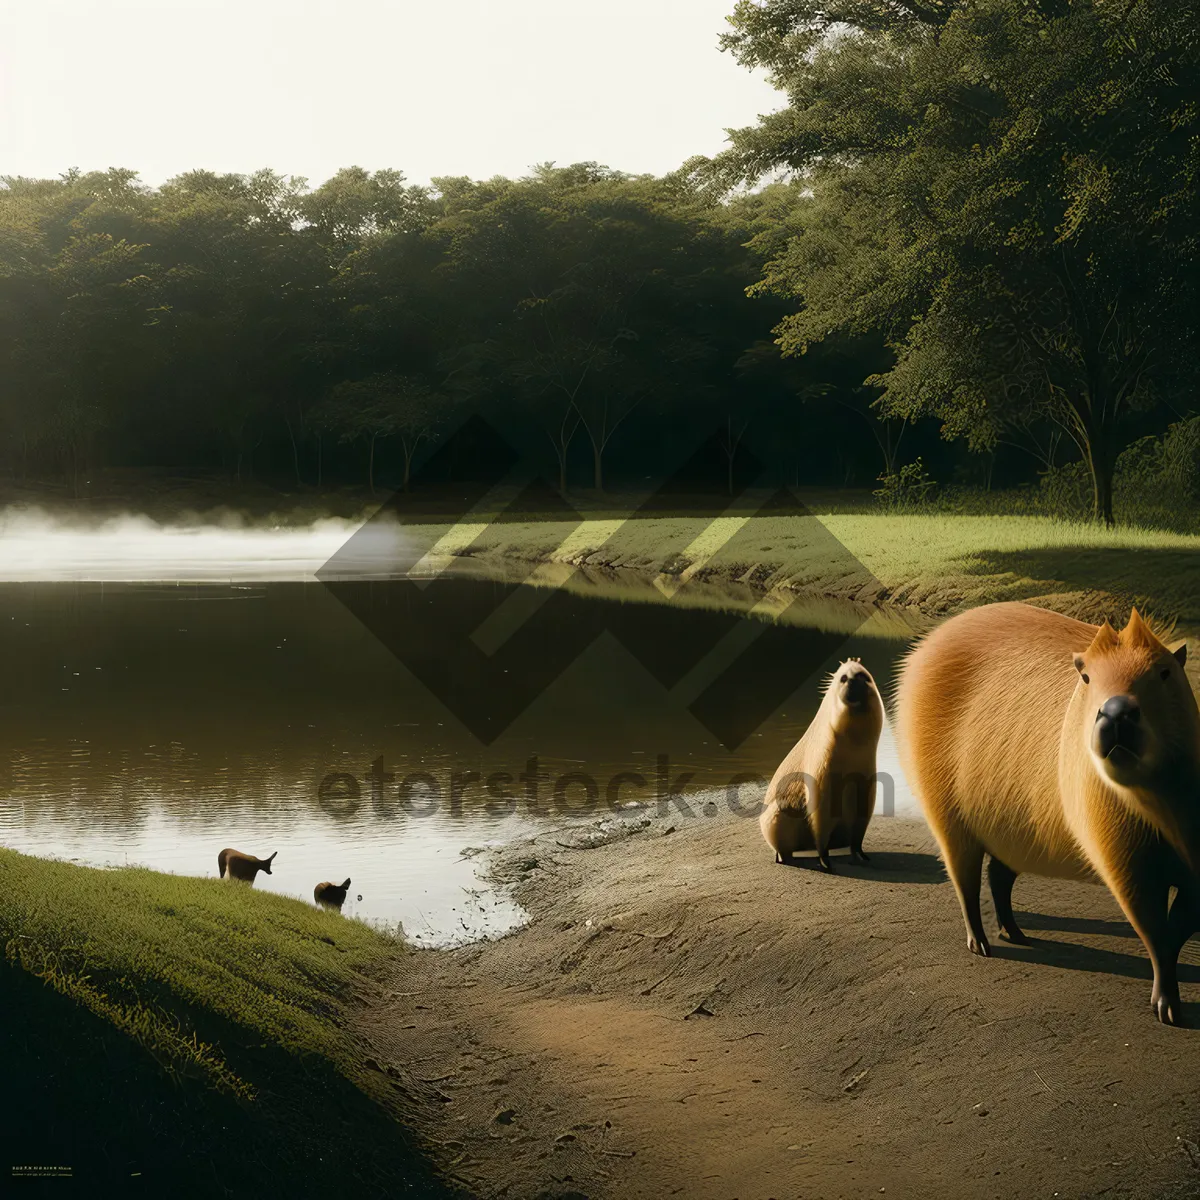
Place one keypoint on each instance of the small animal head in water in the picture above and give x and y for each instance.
(1141, 713)
(854, 687)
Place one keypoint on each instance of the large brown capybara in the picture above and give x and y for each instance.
(823, 795)
(1061, 749)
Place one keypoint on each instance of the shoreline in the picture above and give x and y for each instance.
(903, 570)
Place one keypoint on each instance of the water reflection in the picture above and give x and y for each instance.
(156, 724)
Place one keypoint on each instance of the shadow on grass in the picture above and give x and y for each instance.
(1164, 576)
(86, 1097)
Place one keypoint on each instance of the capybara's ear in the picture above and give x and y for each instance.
(1137, 632)
(1079, 665)
(1180, 653)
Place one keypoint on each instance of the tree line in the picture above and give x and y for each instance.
(254, 322)
(978, 249)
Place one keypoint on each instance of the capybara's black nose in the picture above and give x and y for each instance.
(1117, 725)
(1121, 708)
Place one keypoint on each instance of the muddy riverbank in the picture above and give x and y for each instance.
(683, 1017)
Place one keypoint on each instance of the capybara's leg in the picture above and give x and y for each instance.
(1142, 894)
(824, 820)
(823, 838)
(1001, 879)
(857, 831)
(964, 865)
(853, 803)
(1184, 918)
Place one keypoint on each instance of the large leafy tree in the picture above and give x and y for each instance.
(587, 296)
(1005, 187)
(354, 204)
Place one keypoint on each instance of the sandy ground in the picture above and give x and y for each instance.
(682, 1017)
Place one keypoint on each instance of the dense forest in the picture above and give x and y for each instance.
(974, 264)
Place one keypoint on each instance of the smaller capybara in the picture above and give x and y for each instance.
(1064, 749)
(823, 795)
(331, 895)
(233, 864)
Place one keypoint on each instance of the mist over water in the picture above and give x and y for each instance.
(36, 546)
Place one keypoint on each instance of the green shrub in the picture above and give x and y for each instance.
(1067, 491)
(908, 490)
(1156, 482)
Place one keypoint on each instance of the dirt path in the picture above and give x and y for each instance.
(683, 1017)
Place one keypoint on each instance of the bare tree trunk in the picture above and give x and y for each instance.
(891, 450)
(561, 441)
(1100, 467)
(730, 445)
(408, 457)
(295, 452)
(1090, 426)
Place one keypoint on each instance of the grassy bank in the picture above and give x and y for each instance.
(937, 562)
(232, 1005)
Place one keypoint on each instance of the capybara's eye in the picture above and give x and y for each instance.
(1085, 679)
(1166, 672)
(843, 679)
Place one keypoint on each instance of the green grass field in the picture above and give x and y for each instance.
(939, 562)
(228, 1005)
(136, 947)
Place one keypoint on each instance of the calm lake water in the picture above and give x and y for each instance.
(384, 731)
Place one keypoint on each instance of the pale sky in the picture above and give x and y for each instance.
(432, 87)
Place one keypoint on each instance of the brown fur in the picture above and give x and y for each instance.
(233, 864)
(999, 723)
(822, 796)
(331, 895)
